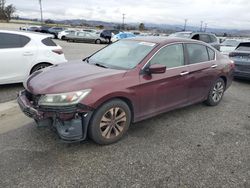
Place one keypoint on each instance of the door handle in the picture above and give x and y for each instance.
(184, 73)
(27, 53)
(214, 66)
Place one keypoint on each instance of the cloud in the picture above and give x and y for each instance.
(216, 13)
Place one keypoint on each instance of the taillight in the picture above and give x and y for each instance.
(232, 65)
(58, 51)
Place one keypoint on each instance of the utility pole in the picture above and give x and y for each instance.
(201, 25)
(123, 21)
(41, 11)
(185, 24)
(205, 29)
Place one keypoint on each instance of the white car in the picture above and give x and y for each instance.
(22, 53)
(61, 35)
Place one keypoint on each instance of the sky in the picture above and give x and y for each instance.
(226, 14)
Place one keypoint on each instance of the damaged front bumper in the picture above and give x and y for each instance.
(70, 122)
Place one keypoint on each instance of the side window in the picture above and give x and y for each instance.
(205, 38)
(197, 53)
(213, 38)
(13, 40)
(211, 53)
(171, 56)
(196, 37)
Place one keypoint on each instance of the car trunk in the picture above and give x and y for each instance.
(241, 60)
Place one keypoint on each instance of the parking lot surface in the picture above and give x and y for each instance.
(197, 146)
(72, 51)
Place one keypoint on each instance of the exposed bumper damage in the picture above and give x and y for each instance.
(70, 122)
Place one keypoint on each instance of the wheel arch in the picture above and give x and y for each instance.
(31, 70)
(224, 78)
(122, 98)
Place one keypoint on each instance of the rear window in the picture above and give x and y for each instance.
(197, 53)
(245, 46)
(211, 53)
(48, 42)
(13, 40)
(205, 38)
(213, 38)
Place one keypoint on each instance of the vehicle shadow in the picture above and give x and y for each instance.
(244, 81)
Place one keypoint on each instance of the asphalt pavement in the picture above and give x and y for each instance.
(197, 146)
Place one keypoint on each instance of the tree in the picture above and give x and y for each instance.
(141, 27)
(6, 12)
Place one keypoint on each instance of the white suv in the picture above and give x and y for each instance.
(22, 53)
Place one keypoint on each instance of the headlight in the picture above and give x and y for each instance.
(63, 99)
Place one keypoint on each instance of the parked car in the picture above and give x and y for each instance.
(44, 29)
(55, 30)
(127, 81)
(33, 28)
(241, 58)
(23, 53)
(82, 36)
(107, 34)
(202, 36)
(122, 35)
(62, 35)
(228, 46)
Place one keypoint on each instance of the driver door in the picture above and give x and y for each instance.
(166, 91)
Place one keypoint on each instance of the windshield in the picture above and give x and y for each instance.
(232, 43)
(123, 54)
(181, 35)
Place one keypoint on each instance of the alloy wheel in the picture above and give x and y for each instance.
(113, 122)
(218, 91)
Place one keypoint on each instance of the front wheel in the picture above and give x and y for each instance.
(98, 41)
(216, 93)
(110, 122)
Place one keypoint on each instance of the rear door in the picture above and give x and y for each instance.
(161, 92)
(17, 54)
(202, 73)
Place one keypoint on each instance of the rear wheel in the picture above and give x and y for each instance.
(39, 66)
(216, 93)
(110, 122)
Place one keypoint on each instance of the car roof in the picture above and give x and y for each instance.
(28, 34)
(195, 32)
(162, 40)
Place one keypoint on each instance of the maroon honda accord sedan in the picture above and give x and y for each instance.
(125, 82)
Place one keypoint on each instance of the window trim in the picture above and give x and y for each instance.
(145, 66)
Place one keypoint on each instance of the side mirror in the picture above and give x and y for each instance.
(156, 69)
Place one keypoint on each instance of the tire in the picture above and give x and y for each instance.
(39, 66)
(98, 41)
(63, 38)
(216, 93)
(105, 128)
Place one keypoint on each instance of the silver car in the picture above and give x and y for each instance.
(202, 36)
(82, 36)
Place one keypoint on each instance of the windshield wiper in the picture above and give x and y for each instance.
(100, 65)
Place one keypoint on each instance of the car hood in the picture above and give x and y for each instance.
(71, 76)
